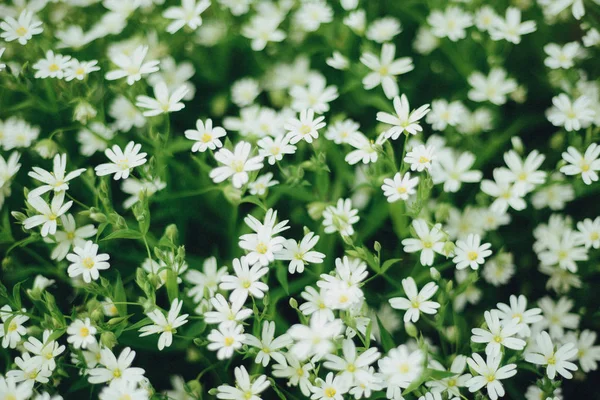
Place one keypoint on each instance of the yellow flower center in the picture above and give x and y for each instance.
(415, 304)
(552, 360)
(594, 236)
(206, 138)
(401, 190)
(404, 368)
(351, 368)
(80, 71)
(330, 392)
(452, 382)
(246, 284)
(84, 332)
(21, 31)
(117, 373)
(12, 327)
(261, 248)
(427, 244)
(472, 255)
(300, 372)
(384, 70)
(228, 341)
(305, 129)
(423, 159)
(237, 166)
(125, 397)
(88, 262)
(497, 339)
(53, 67)
(490, 378)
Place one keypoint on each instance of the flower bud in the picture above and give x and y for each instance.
(434, 273)
(108, 339)
(171, 232)
(293, 303)
(315, 210)
(84, 112)
(46, 148)
(448, 248)
(411, 330)
(233, 195)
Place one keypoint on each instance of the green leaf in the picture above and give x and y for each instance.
(119, 296)
(386, 265)
(386, 338)
(417, 382)
(123, 234)
(281, 274)
(56, 334)
(139, 324)
(172, 286)
(438, 374)
(17, 295)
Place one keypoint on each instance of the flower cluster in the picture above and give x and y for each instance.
(324, 199)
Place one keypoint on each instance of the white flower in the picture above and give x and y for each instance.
(342, 131)
(87, 262)
(338, 61)
(123, 161)
(186, 15)
(48, 214)
(225, 313)
(312, 14)
(564, 250)
(428, 243)
(237, 164)
(489, 374)
(132, 66)
(556, 7)
(588, 355)
(353, 367)
(268, 345)
(518, 311)
(245, 91)
(384, 29)
(22, 29)
(556, 361)
(246, 280)
(315, 339)
(443, 114)
(55, 180)
(451, 23)
(261, 184)
(245, 388)
(205, 136)
(416, 302)
(125, 114)
(506, 193)
(115, 369)
(453, 169)
(300, 253)
(315, 304)
(9, 389)
(80, 69)
(262, 30)
(123, 390)
(53, 66)
(81, 333)
(586, 164)
(554, 196)
(163, 102)
(342, 290)
(165, 326)
(11, 333)
(315, 96)
(273, 149)
(420, 158)
(561, 56)
(557, 316)
(492, 88)
(471, 253)
(298, 374)
(44, 351)
(485, 18)
(205, 282)
(405, 120)
(305, 128)
(366, 150)
(589, 232)
(356, 20)
(400, 187)
(29, 371)
(225, 340)
(2, 65)
(340, 218)
(138, 188)
(573, 115)
(498, 334)
(524, 173)
(385, 69)
(511, 28)
(400, 367)
(333, 387)
(452, 384)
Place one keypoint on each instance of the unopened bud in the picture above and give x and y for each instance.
(233, 195)
(108, 339)
(46, 148)
(448, 248)
(315, 210)
(84, 112)
(293, 303)
(434, 273)
(411, 330)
